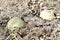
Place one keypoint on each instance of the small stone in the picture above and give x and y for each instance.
(47, 14)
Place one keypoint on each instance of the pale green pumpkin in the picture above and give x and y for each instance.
(15, 23)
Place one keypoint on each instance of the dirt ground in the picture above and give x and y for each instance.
(29, 10)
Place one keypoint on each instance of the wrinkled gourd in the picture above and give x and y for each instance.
(15, 23)
(47, 15)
